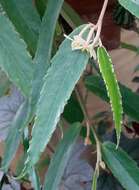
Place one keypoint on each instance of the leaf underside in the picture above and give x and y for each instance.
(13, 140)
(41, 54)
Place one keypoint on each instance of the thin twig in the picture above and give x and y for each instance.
(83, 107)
(99, 23)
(88, 126)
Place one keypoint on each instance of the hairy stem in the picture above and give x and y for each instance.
(99, 23)
(101, 16)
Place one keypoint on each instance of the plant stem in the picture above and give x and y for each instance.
(87, 121)
(101, 16)
(87, 139)
(99, 23)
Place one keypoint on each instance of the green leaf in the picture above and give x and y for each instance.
(14, 59)
(130, 47)
(73, 112)
(131, 5)
(70, 16)
(122, 166)
(41, 6)
(24, 16)
(106, 179)
(130, 100)
(61, 157)
(59, 82)
(14, 135)
(35, 180)
(43, 51)
(107, 71)
(44, 48)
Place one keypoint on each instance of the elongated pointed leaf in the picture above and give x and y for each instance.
(131, 5)
(106, 68)
(43, 49)
(14, 59)
(66, 69)
(130, 47)
(130, 99)
(61, 157)
(71, 17)
(16, 130)
(35, 180)
(122, 166)
(43, 54)
(24, 16)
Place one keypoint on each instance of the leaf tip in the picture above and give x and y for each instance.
(118, 141)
